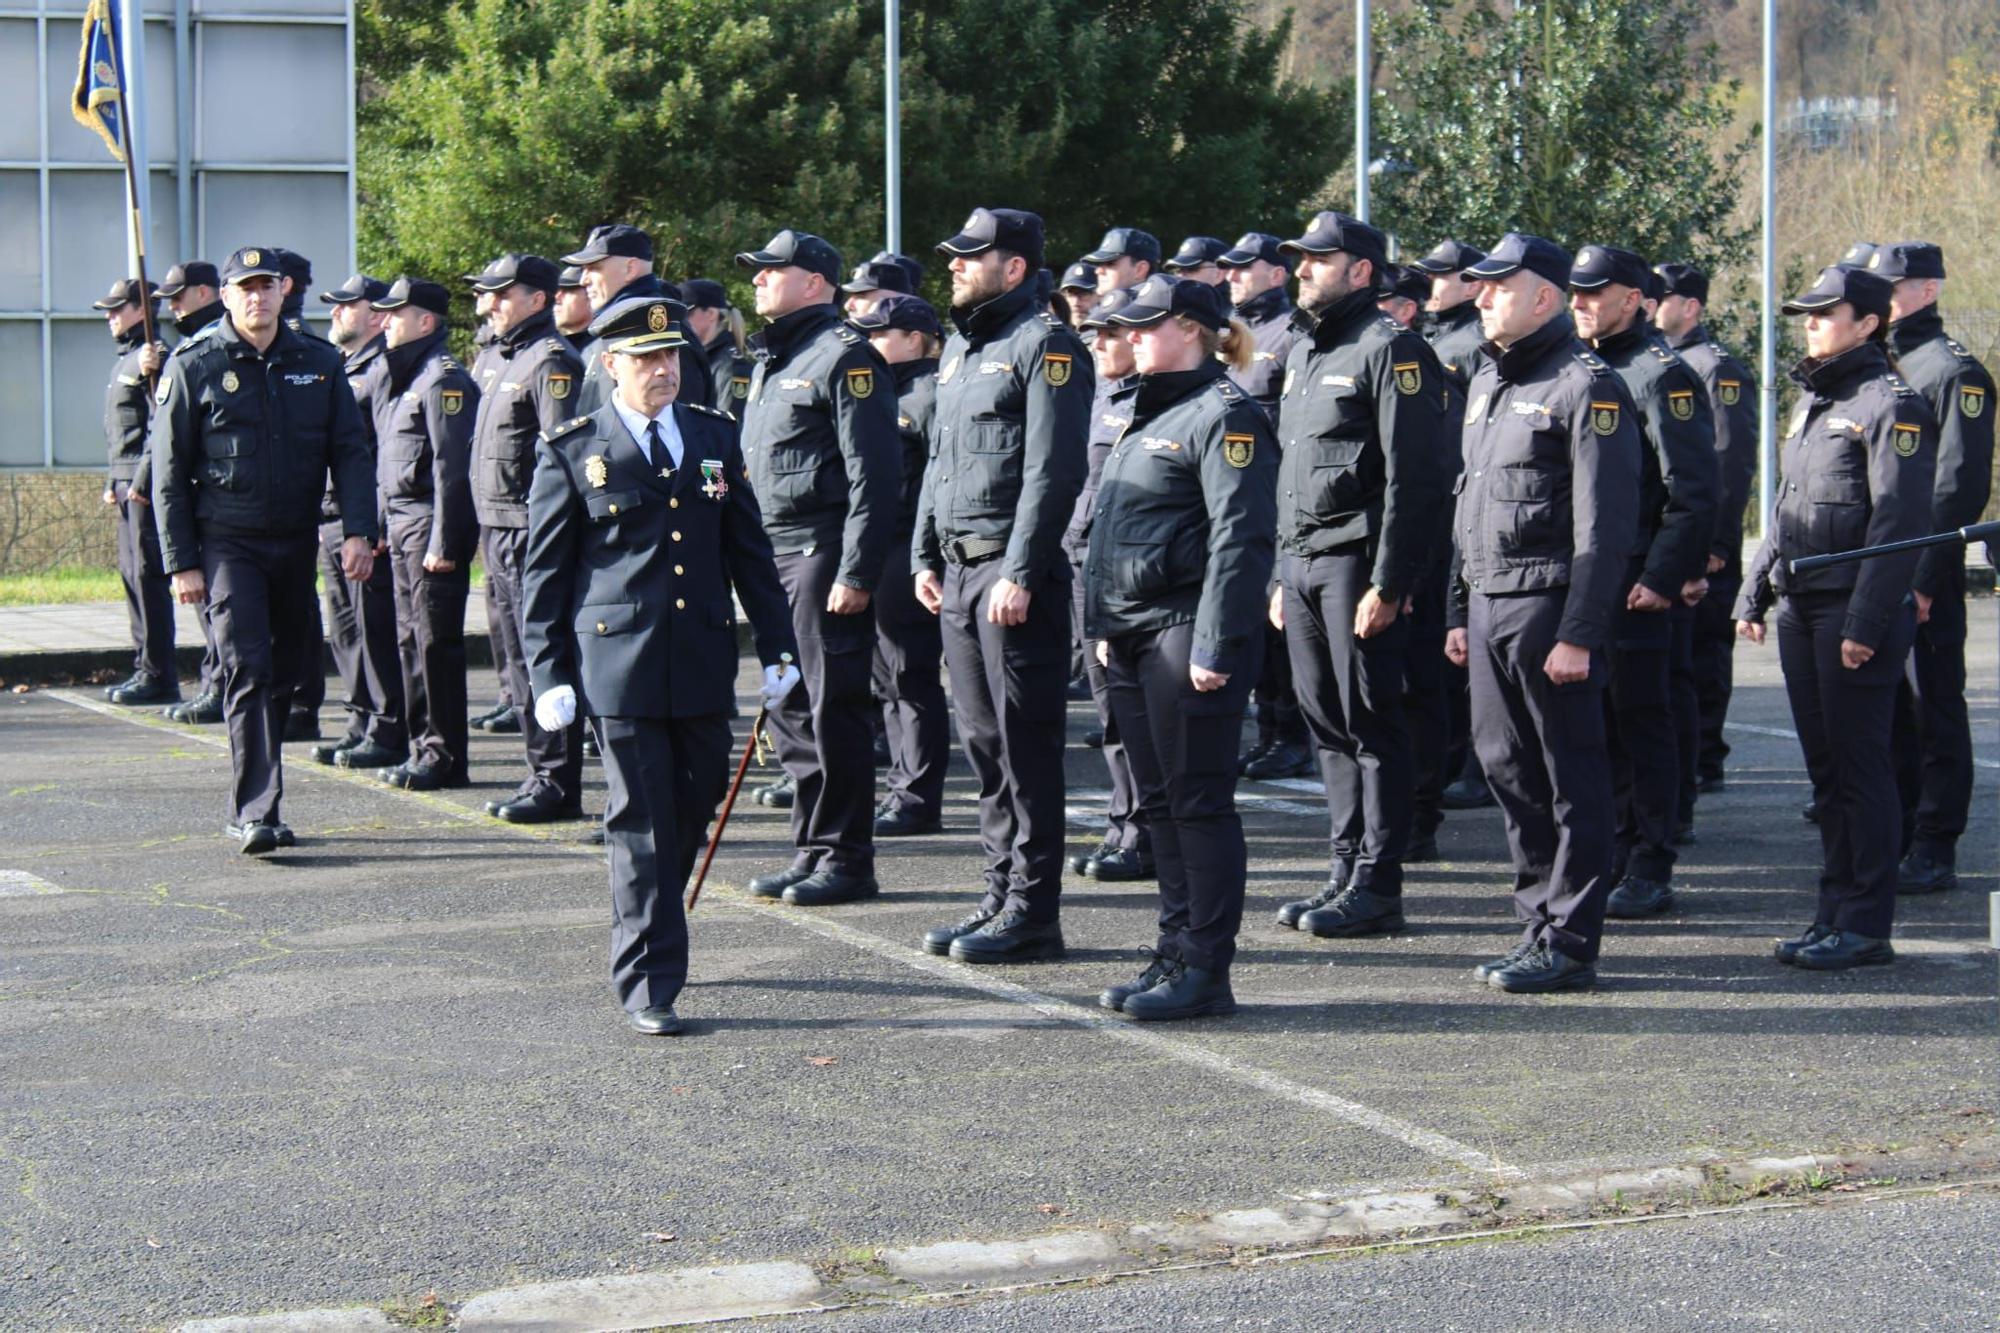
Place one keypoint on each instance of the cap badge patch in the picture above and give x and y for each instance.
(1730, 391)
(1907, 436)
(860, 383)
(1681, 403)
(657, 319)
(594, 472)
(230, 384)
(1409, 377)
(558, 386)
(1056, 366)
(252, 258)
(1604, 418)
(1237, 450)
(454, 399)
(1971, 401)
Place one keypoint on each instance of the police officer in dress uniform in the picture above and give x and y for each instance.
(819, 433)
(617, 263)
(362, 615)
(905, 333)
(1126, 852)
(249, 421)
(193, 292)
(1180, 554)
(1933, 733)
(128, 410)
(641, 520)
(424, 415)
(1362, 482)
(529, 377)
(1669, 560)
(718, 326)
(1007, 460)
(1079, 287)
(1548, 500)
(1732, 393)
(1859, 467)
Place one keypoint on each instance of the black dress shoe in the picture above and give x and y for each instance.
(905, 821)
(1286, 759)
(329, 752)
(369, 755)
(254, 839)
(655, 1020)
(1787, 951)
(1521, 949)
(1078, 690)
(1010, 938)
(1924, 871)
(777, 795)
(1357, 911)
(132, 681)
(938, 941)
(1811, 813)
(423, 777)
(590, 750)
(1082, 859)
(1467, 794)
(1711, 782)
(1839, 950)
(1423, 848)
(774, 884)
(1158, 966)
(830, 887)
(1336, 880)
(1634, 898)
(1544, 968)
(1250, 756)
(1119, 865)
(1094, 739)
(282, 831)
(543, 805)
(1185, 992)
(504, 722)
(202, 710)
(301, 725)
(148, 691)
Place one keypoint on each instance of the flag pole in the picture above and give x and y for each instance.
(133, 218)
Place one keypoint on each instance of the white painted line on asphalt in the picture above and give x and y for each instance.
(22, 884)
(1117, 1029)
(1787, 734)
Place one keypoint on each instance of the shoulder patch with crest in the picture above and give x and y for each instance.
(861, 381)
(739, 386)
(454, 400)
(1906, 436)
(1729, 391)
(559, 382)
(1056, 367)
(1238, 448)
(1680, 402)
(1409, 377)
(1971, 401)
(1604, 417)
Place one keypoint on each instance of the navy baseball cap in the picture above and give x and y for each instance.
(1252, 246)
(878, 276)
(1160, 297)
(570, 277)
(796, 249)
(251, 261)
(1410, 283)
(1907, 259)
(1678, 279)
(419, 292)
(1865, 291)
(1080, 277)
(900, 310)
(1330, 231)
(1599, 266)
(1196, 251)
(194, 273)
(1448, 256)
(123, 292)
(1126, 243)
(1010, 229)
(638, 325)
(1107, 305)
(614, 238)
(295, 266)
(704, 294)
(903, 262)
(1857, 255)
(358, 287)
(1518, 250)
(528, 270)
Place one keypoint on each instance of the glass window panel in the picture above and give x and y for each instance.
(20, 241)
(84, 354)
(260, 7)
(20, 130)
(71, 142)
(306, 213)
(20, 393)
(87, 244)
(294, 109)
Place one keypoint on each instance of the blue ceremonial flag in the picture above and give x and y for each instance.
(110, 98)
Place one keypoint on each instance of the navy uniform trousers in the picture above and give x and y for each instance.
(1645, 750)
(555, 758)
(915, 717)
(149, 594)
(1427, 690)
(430, 639)
(1009, 689)
(1126, 814)
(260, 601)
(1684, 689)
(1544, 752)
(1351, 691)
(1845, 720)
(1933, 733)
(665, 776)
(362, 617)
(1183, 745)
(1715, 668)
(824, 731)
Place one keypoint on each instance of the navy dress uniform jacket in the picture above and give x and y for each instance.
(1960, 392)
(628, 574)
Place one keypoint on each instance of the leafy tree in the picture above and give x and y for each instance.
(519, 124)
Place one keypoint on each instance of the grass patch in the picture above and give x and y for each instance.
(61, 587)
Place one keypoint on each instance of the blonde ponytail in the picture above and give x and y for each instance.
(736, 334)
(1231, 345)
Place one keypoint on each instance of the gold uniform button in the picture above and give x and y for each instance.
(679, 570)
(680, 605)
(602, 628)
(677, 535)
(614, 509)
(674, 503)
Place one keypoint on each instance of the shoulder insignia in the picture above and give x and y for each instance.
(449, 362)
(849, 334)
(1591, 361)
(454, 399)
(567, 427)
(708, 411)
(1899, 384)
(555, 345)
(1604, 417)
(860, 382)
(739, 386)
(1056, 367)
(1958, 348)
(559, 384)
(1663, 355)
(1906, 436)
(1238, 448)
(1680, 402)
(1729, 391)
(1971, 401)
(1227, 388)
(1409, 377)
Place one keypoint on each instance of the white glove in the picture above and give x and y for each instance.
(779, 681)
(556, 708)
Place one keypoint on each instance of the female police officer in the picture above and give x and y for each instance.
(1180, 554)
(1858, 462)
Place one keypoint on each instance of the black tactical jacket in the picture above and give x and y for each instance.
(1272, 332)
(1008, 453)
(1860, 461)
(242, 443)
(1732, 393)
(916, 412)
(1549, 495)
(1678, 467)
(729, 374)
(1960, 392)
(1456, 337)
(819, 434)
(423, 445)
(1185, 516)
(1110, 414)
(527, 384)
(128, 408)
(367, 370)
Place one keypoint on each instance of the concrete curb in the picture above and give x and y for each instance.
(1293, 1229)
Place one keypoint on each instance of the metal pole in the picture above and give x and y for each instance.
(184, 128)
(1767, 354)
(1363, 71)
(892, 131)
